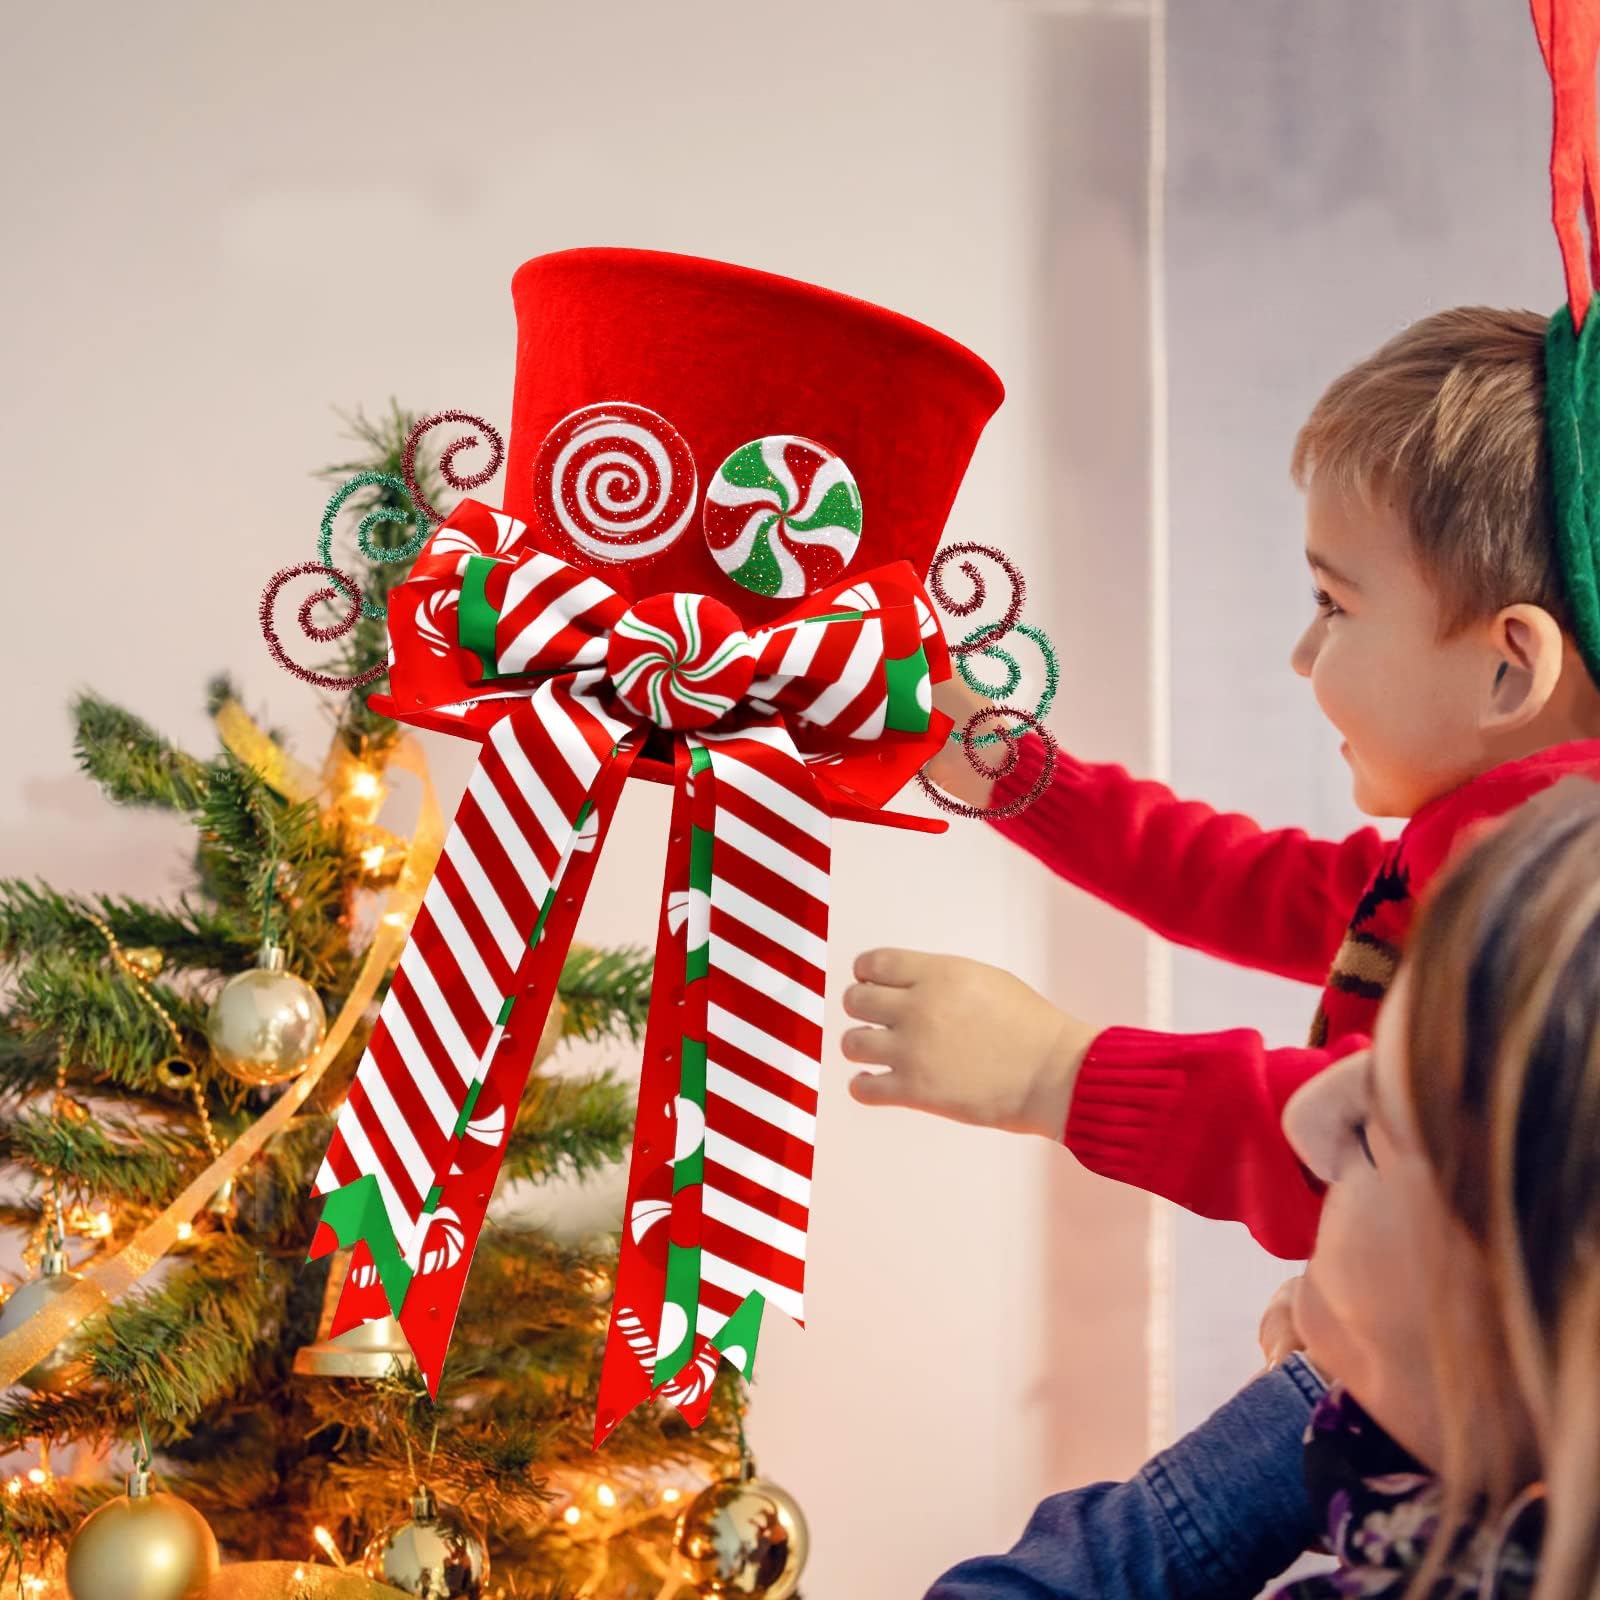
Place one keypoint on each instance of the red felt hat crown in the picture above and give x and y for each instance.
(728, 355)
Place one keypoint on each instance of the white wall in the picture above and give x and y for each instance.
(1338, 168)
(224, 221)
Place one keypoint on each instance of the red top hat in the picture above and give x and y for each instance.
(728, 356)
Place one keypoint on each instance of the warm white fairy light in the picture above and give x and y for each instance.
(38, 1477)
(185, 1230)
(364, 784)
(372, 857)
(670, 1497)
(325, 1539)
(607, 1496)
(14, 1486)
(100, 1227)
(572, 1516)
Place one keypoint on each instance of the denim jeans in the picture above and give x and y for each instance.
(1216, 1517)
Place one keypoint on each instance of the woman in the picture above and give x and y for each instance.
(1455, 1288)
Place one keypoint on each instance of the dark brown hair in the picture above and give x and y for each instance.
(1446, 422)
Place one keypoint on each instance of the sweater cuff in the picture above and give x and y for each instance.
(1123, 1098)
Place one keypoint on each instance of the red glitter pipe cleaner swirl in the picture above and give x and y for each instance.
(980, 593)
(350, 591)
(1011, 739)
(447, 461)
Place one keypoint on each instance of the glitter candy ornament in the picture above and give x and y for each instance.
(434, 1556)
(265, 1024)
(64, 1367)
(617, 480)
(783, 516)
(743, 1537)
(142, 1546)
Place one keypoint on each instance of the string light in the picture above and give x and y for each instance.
(38, 1477)
(372, 857)
(572, 1516)
(100, 1228)
(670, 1497)
(14, 1486)
(325, 1539)
(185, 1230)
(364, 784)
(607, 1496)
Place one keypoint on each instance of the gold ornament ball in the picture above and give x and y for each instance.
(142, 1546)
(744, 1537)
(63, 1368)
(294, 1580)
(265, 1024)
(434, 1556)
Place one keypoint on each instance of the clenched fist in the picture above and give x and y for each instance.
(962, 1040)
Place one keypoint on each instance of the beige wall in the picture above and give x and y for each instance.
(224, 221)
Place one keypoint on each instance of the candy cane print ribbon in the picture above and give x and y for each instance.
(563, 681)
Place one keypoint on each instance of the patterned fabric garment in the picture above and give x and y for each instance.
(1383, 1511)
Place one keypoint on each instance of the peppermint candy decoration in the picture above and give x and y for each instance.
(783, 516)
(682, 660)
(617, 479)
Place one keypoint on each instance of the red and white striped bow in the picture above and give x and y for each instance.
(766, 735)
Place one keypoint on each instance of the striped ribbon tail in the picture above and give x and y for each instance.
(457, 1034)
(720, 1183)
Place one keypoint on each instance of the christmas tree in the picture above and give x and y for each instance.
(123, 1077)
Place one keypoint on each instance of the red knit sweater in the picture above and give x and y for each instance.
(1195, 1117)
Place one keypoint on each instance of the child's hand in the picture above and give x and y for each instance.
(962, 1040)
(1280, 1328)
(949, 767)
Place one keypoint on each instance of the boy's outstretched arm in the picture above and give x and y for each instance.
(1193, 1117)
(1274, 899)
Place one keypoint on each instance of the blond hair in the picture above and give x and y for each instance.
(1446, 422)
(1503, 1034)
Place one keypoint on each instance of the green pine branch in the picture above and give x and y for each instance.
(606, 992)
(102, 1022)
(33, 917)
(108, 1156)
(569, 1127)
(131, 762)
(164, 1355)
(27, 1061)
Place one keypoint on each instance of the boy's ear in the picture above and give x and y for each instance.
(1529, 646)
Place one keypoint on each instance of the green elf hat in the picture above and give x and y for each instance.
(1569, 37)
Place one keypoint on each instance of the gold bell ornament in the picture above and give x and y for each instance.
(266, 1023)
(743, 1537)
(63, 1368)
(143, 1545)
(433, 1556)
(373, 1350)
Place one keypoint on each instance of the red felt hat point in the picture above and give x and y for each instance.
(726, 355)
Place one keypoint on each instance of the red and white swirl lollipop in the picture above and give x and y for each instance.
(617, 479)
(682, 660)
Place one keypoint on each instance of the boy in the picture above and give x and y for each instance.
(1442, 651)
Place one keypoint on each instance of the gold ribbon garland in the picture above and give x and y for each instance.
(242, 736)
(109, 1280)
